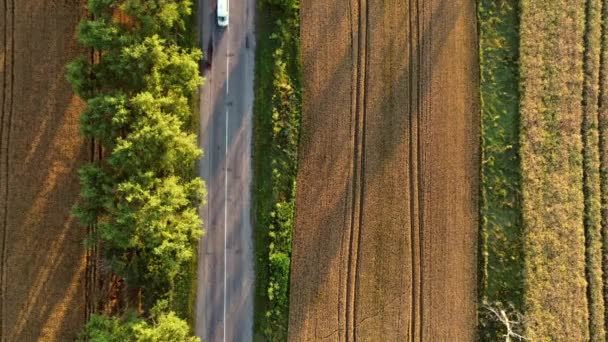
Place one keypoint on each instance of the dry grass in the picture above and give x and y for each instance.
(554, 240)
(43, 259)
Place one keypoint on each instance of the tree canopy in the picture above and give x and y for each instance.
(142, 196)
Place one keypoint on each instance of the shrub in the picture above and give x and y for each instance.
(162, 327)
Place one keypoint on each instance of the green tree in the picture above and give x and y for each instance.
(142, 197)
(163, 326)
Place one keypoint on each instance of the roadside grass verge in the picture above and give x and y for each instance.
(500, 247)
(551, 87)
(277, 109)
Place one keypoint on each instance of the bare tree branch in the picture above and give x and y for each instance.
(511, 325)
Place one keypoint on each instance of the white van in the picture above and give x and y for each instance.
(222, 13)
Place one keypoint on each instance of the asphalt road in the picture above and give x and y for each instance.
(224, 305)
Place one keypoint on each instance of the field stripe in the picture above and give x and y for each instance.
(7, 150)
(358, 171)
(591, 177)
(7, 159)
(419, 179)
(357, 265)
(418, 162)
(2, 112)
(413, 191)
(553, 201)
(602, 114)
(415, 169)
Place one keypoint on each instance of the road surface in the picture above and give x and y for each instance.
(224, 305)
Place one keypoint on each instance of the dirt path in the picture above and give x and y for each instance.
(386, 219)
(42, 256)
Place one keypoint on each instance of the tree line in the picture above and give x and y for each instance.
(142, 197)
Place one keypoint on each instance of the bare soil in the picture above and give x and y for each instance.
(386, 216)
(42, 255)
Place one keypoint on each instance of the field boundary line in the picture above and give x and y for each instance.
(419, 179)
(415, 214)
(2, 113)
(7, 159)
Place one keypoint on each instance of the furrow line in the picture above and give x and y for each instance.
(2, 114)
(354, 95)
(412, 318)
(418, 179)
(4, 78)
(7, 150)
(356, 213)
(415, 324)
(363, 112)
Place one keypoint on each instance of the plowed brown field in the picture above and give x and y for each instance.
(43, 262)
(386, 217)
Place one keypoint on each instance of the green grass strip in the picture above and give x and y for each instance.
(277, 110)
(501, 254)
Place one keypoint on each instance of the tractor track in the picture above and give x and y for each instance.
(415, 213)
(7, 112)
(358, 167)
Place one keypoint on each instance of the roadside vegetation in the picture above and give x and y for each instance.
(501, 249)
(591, 169)
(276, 131)
(546, 139)
(143, 197)
(551, 69)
